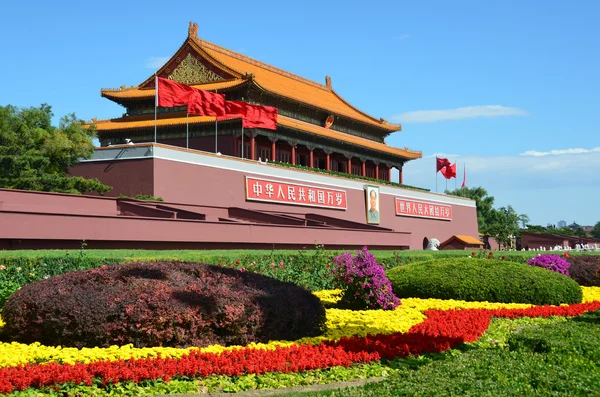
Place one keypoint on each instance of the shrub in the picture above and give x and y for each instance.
(551, 262)
(489, 280)
(161, 304)
(364, 281)
(585, 269)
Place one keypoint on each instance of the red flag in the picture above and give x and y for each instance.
(449, 172)
(441, 163)
(253, 116)
(464, 184)
(207, 103)
(258, 116)
(171, 93)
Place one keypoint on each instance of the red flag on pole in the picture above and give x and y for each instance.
(253, 116)
(171, 93)
(464, 184)
(441, 163)
(449, 172)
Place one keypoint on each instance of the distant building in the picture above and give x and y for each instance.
(561, 224)
(574, 226)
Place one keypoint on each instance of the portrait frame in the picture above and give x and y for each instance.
(373, 217)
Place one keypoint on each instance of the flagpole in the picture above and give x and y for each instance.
(216, 138)
(187, 129)
(242, 134)
(155, 102)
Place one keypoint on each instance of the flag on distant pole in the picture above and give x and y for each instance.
(441, 163)
(464, 184)
(155, 103)
(449, 171)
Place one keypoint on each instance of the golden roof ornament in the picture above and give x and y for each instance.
(328, 82)
(193, 30)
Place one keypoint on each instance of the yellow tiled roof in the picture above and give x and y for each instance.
(289, 85)
(464, 239)
(123, 124)
(340, 136)
(137, 93)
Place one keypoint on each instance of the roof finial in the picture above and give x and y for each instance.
(328, 82)
(193, 30)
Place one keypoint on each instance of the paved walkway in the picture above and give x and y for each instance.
(276, 392)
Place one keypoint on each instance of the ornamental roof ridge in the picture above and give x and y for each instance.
(237, 55)
(381, 120)
(120, 89)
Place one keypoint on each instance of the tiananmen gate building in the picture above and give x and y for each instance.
(323, 176)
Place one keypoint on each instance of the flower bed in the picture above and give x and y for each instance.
(416, 327)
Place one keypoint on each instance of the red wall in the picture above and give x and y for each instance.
(188, 183)
(128, 177)
(197, 184)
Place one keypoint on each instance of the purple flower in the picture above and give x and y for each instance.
(367, 286)
(551, 262)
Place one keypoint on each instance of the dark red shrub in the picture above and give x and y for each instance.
(161, 304)
(585, 269)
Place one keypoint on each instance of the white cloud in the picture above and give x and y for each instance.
(402, 37)
(446, 155)
(469, 112)
(156, 62)
(559, 152)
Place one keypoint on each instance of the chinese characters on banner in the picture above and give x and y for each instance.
(422, 209)
(295, 194)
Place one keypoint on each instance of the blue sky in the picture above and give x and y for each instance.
(511, 88)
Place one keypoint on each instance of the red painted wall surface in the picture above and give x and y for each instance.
(50, 220)
(128, 177)
(188, 183)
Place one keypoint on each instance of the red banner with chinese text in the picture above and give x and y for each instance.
(422, 209)
(294, 193)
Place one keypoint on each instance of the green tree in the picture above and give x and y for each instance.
(596, 230)
(505, 225)
(34, 155)
(485, 205)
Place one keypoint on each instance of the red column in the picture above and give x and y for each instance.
(364, 168)
(328, 162)
(273, 151)
(376, 171)
(349, 166)
(401, 176)
(310, 159)
(252, 147)
(293, 154)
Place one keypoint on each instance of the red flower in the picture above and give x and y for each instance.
(220, 265)
(473, 253)
(491, 253)
(503, 257)
(237, 261)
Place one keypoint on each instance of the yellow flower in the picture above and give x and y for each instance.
(339, 323)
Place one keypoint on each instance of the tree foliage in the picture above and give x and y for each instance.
(596, 230)
(502, 223)
(485, 204)
(34, 155)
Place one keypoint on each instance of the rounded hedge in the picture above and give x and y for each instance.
(472, 279)
(161, 304)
